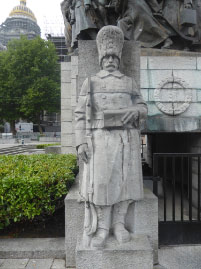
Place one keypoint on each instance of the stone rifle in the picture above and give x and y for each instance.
(90, 221)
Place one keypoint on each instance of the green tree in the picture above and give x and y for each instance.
(29, 80)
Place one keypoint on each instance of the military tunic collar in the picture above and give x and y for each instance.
(104, 73)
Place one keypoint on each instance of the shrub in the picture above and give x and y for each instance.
(33, 185)
(43, 146)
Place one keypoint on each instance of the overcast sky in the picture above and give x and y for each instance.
(47, 13)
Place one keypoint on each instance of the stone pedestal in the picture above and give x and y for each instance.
(136, 254)
(74, 221)
(142, 220)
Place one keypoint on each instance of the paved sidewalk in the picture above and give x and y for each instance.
(32, 264)
(173, 257)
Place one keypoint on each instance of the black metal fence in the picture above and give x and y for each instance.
(177, 185)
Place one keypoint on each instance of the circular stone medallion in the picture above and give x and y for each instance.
(173, 96)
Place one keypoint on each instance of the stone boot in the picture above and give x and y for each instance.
(98, 241)
(120, 233)
(118, 223)
(103, 227)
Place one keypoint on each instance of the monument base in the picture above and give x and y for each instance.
(136, 254)
(142, 220)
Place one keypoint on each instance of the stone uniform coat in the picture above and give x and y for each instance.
(116, 157)
(139, 24)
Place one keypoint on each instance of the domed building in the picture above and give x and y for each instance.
(21, 21)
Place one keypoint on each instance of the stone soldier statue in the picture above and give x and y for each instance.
(138, 23)
(108, 117)
(86, 17)
(182, 18)
(65, 9)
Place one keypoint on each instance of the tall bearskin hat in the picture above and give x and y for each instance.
(110, 40)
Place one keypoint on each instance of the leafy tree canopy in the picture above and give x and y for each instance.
(29, 80)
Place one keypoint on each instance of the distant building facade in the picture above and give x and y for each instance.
(21, 21)
(59, 42)
(2, 47)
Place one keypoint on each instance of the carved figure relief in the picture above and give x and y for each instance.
(173, 96)
(156, 23)
(108, 116)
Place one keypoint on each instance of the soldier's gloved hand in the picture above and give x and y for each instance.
(87, 7)
(83, 152)
(132, 116)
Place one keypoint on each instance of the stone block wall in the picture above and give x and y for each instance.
(69, 73)
(168, 81)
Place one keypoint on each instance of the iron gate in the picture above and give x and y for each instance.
(177, 185)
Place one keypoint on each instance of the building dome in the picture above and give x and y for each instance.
(21, 21)
(22, 10)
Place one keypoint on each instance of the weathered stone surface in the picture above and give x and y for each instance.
(170, 63)
(143, 220)
(143, 62)
(145, 94)
(136, 254)
(39, 263)
(74, 219)
(58, 264)
(68, 150)
(74, 72)
(192, 77)
(199, 63)
(66, 115)
(65, 103)
(14, 264)
(74, 60)
(198, 95)
(66, 89)
(66, 128)
(194, 110)
(150, 79)
(65, 76)
(172, 124)
(180, 257)
(68, 140)
(73, 87)
(35, 248)
(65, 66)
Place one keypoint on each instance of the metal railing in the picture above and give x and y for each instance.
(178, 189)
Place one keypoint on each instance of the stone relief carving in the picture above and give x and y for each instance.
(155, 23)
(173, 96)
(108, 117)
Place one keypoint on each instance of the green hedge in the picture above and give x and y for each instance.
(33, 185)
(43, 146)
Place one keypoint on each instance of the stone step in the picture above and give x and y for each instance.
(32, 248)
(136, 254)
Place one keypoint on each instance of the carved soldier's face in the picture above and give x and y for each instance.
(110, 63)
